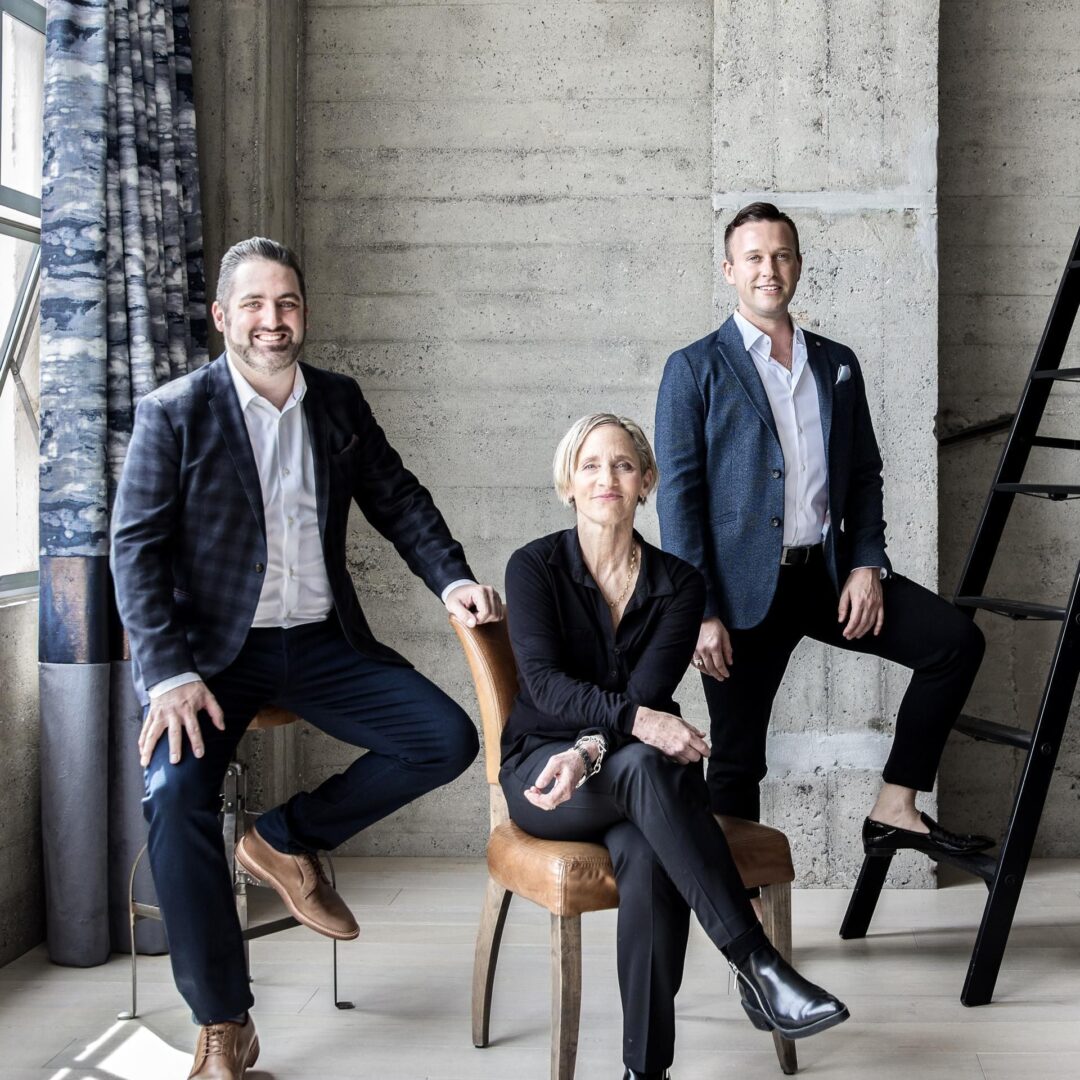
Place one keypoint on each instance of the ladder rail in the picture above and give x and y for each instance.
(1028, 804)
(1025, 426)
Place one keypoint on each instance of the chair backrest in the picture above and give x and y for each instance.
(491, 661)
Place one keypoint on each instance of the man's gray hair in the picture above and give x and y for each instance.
(256, 247)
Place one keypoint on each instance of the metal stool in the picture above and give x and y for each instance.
(234, 823)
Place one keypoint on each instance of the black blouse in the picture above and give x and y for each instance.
(576, 673)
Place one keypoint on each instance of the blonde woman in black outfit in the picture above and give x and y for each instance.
(603, 626)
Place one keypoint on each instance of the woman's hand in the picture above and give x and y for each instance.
(671, 735)
(566, 770)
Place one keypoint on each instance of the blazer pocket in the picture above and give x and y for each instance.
(725, 518)
(348, 448)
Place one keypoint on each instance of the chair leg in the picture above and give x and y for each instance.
(776, 921)
(565, 994)
(488, 937)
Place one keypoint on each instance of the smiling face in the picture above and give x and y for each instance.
(607, 477)
(264, 317)
(764, 268)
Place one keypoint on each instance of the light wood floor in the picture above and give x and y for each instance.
(409, 976)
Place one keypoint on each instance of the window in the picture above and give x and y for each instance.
(22, 79)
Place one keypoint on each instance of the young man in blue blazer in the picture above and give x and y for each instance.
(228, 553)
(772, 489)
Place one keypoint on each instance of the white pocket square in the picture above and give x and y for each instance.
(843, 374)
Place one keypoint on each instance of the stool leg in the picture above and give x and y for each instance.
(132, 917)
(776, 922)
(338, 1004)
(865, 897)
(565, 994)
(488, 937)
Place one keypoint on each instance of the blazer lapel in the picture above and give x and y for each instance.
(818, 358)
(318, 432)
(741, 363)
(225, 406)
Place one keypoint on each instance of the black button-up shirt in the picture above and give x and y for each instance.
(576, 672)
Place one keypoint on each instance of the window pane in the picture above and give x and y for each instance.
(15, 256)
(23, 65)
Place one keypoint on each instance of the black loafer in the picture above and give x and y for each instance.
(879, 839)
(777, 998)
(663, 1074)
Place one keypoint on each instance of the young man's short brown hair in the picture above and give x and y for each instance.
(759, 211)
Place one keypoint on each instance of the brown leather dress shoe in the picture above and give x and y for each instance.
(301, 884)
(225, 1051)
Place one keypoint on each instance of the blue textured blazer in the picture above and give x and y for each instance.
(721, 495)
(189, 538)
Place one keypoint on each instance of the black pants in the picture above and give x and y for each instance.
(417, 739)
(921, 631)
(670, 858)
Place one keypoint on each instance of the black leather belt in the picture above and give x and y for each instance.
(797, 556)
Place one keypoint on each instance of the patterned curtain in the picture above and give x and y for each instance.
(123, 309)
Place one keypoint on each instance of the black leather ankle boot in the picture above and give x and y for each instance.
(777, 998)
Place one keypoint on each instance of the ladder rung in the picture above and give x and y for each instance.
(1014, 609)
(1065, 374)
(1048, 491)
(981, 865)
(992, 731)
(1055, 443)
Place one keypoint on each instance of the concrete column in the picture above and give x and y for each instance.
(246, 58)
(828, 108)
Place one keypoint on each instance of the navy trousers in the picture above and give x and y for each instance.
(417, 739)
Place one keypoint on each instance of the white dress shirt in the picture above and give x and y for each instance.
(793, 399)
(295, 587)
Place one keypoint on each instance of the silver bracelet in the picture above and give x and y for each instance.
(591, 767)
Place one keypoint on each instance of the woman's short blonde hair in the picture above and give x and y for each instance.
(566, 453)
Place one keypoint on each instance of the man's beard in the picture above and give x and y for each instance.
(265, 361)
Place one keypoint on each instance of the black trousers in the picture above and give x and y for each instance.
(942, 646)
(670, 858)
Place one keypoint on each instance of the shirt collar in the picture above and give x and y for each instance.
(755, 340)
(653, 577)
(247, 393)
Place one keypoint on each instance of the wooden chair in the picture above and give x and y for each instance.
(569, 879)
(235, 819)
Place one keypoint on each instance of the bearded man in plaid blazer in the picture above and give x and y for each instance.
(228, 553)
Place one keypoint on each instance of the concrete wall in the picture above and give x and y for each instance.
(1009, 211)
(509, 216)
(22, 886)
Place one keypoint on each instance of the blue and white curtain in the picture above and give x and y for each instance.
(123, 309)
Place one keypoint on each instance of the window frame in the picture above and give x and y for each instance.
(15, 207)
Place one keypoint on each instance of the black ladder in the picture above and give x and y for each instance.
(1004, 874)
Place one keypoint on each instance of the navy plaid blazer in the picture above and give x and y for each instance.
(188, 536)
(721, 497)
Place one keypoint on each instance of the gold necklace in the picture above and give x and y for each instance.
(613, 604)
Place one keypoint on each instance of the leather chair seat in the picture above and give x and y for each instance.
(762, 853)
(567, 877)
(571, 877)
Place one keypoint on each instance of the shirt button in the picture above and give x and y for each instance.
(290, 519)
(775, 523)
(285, 472)
(259, 568)
(776, 474)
